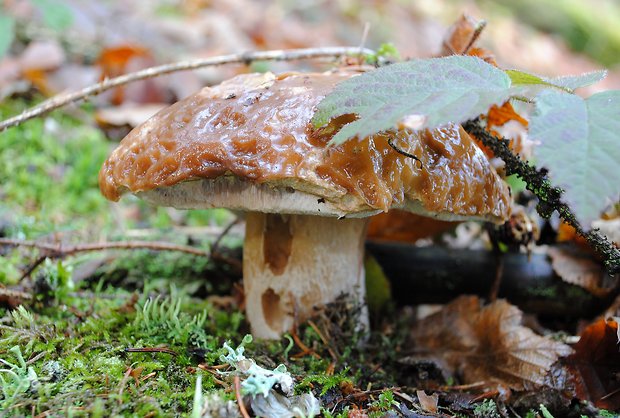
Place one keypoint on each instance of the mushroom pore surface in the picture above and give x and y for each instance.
(256, 127)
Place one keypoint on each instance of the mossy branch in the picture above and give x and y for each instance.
(549, 196)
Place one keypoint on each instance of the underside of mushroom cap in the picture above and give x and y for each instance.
(248, 143)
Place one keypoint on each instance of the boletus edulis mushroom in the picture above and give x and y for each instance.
(248, 144)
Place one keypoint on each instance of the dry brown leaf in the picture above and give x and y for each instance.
(510, 352)
(578, 268)
(483, 54)
(127, 114)
(122, 59)
(500, 115)
(460, 35)
(42, 55)
(568, 233)
(488, 344)
(595, 365)
(428, 402)
(397, 225)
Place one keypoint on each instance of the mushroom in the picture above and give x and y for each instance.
(248, 144)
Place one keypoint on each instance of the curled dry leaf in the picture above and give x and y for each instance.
(461, 35)
(500, 115)
(488, 344)
(428, 402)
(580, 269)
(595, 365)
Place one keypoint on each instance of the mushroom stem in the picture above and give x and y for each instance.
(295, 263)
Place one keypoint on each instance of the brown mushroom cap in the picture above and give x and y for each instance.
(251, 143)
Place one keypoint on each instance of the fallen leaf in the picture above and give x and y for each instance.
(397, 225)
(460, 35)
(484, 54)
(38, 78)
(510, 352)
(568, 233)
(42, 55)
(127, 114)
(113, 61)
(500, 115)
(428, 402)
(595, 365)
(488, 344)
(122, 59)
(9, 72)
(578, 268)
(357, 413)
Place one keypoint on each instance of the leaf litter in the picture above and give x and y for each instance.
(487, 344)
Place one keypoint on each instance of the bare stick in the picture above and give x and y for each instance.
(242, 410)
(60, 250)
(151, 350)
(244, 58)
(215, 246)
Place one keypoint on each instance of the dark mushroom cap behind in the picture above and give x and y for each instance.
(251, 144)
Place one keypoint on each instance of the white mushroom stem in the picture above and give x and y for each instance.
(293, 264)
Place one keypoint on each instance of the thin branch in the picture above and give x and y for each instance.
(215, 246)
(32, 267)
(242, 410)
(151, 350)
(59, 250)
(243, 58)
(548, 195)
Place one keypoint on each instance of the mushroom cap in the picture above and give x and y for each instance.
(249, 144)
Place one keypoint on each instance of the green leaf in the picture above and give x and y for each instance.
(56, 15)
(522, 78)
(545, 412)
(566, 83)
(573, 82)
(437, 91)
(580, 146)
(385, 51)
(7, 34)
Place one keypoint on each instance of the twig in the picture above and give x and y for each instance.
(124, 381)
(322, 337)
(32, 267)
(59, 250)
(215, 245)
(152, 350)
(364, 37)
(243, 58)
(549, 196)
(305, 350)
(480, 25)
(244, 412)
